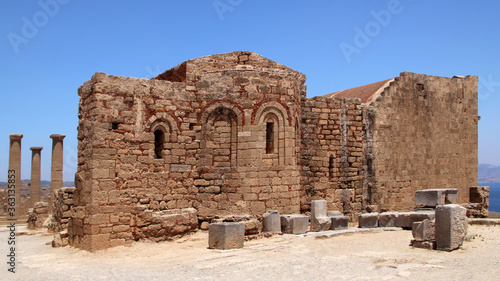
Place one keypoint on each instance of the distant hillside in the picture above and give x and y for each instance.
(43, 183)
(488, 173)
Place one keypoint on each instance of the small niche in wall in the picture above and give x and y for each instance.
(114, 125)
(331, 171)
(421, 90)
(369, 167)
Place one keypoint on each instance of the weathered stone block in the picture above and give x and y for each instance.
(421, 215)
(368, 220)
(451, 226)
(403, 220)
(294, 224)
(334, 214)
(319, 219)
(271, 221)
(434, 197)
(429, 245)
(226, 235)
(339, 222)
(451, 196)
(423, 230)
(180, 168)
(387, 219)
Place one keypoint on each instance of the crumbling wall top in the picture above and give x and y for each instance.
(233, 61)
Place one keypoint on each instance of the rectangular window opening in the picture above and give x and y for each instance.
(270, 138)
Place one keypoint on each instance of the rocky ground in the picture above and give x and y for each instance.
(361, 256)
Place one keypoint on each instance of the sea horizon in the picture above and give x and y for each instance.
(494, 195)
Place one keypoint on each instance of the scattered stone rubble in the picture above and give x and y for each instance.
(38, 215)
(447, 231)
(479, 201)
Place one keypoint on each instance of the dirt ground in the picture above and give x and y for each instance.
(361, 256)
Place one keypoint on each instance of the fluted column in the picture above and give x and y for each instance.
(35, 174)
(14, 173)
(56, 176)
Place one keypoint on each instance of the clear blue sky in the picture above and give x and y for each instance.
(49, 48)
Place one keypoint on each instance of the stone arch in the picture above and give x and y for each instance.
(220, 136)
(168, 123)
(164, 135)
(271, 106)
(240, 117)
(273, 118)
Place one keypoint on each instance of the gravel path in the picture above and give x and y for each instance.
(360, 256)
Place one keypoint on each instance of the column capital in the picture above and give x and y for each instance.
(57, 136)
(35, 148)
(16, 136)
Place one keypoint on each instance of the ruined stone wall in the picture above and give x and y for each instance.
(332, 153)
(221, 138)
(234, 134)
(63, 203)
(425, 136)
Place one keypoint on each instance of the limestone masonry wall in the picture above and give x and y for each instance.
(235, 134)
(332, 153)
(425, 137)
(223, 141)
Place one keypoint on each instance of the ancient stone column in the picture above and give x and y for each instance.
(56, 176)
(14, 173)
(35, 175)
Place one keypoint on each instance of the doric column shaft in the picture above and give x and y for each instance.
(56, 177)
(35, 174)
(14, 173)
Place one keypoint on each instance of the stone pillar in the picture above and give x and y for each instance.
(35, 175)
(14, 172)
(56, 175)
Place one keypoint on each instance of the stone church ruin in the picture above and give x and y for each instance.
(234, 134)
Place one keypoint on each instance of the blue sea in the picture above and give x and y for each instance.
(494, 196)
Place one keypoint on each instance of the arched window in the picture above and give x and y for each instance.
(272, 126)
(159, 143)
